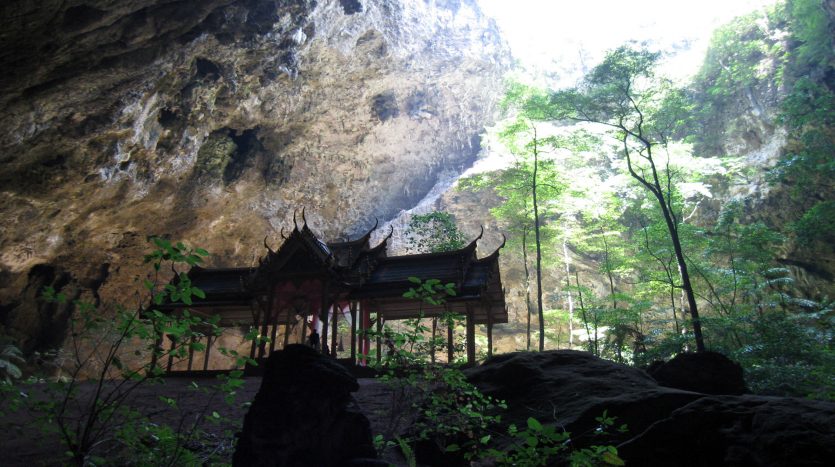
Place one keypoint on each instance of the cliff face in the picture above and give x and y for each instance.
(212, 121)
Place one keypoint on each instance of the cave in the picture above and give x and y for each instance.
(206, 69)
(247, 147)
(350, 7)
(188, 190)
(385, 106)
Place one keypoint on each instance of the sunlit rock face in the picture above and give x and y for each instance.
(212, 121)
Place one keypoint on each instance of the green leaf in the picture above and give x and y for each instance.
(612, 458)
(414, 280)
(161, 243)
(534, 424)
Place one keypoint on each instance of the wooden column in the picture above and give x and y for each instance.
(287, 330)
(324, 337)
(157, 350)
(323, 315)
(354, 333)
(191, 352)
(274, 333)
(208, 349)
(450, 352)
(489, 332)
(265, 325)
(171, 354)
(470, 334)
(379, 338)
(255, 342)
(337, 309)
(432, 342)
(302, 333)
(365, 311)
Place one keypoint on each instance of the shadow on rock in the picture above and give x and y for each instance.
(304, 415)
(666, 426)
(705, 372)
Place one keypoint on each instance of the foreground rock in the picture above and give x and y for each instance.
(304, 415)
(739, 431)
(705, 372)
(666, 426)
(571, 389)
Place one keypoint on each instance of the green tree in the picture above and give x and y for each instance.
(434, 232)
(532, 183)
(624, 94)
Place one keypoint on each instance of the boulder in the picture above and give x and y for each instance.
(303, 415)
(705, 372)
(570, 389)
(666, 426)
(739, 431)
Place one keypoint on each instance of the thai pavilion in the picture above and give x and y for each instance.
(308, 284)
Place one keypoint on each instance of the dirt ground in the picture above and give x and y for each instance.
(23, 444)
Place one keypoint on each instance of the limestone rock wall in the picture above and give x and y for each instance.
(211, 121)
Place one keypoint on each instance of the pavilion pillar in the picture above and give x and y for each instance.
(470, 334)
(191, 351)
(262, 335)
(325, 309)
(432, 342)
(489, 332)
(325, 321)
(337, 309)
(171, 354)
(254, 344)
(450, 352)
(274, 332)
(354, 333)
(379, 338)
(366, 326)
(156, 352)
(208, 349)
(287, 330)
(301, 334)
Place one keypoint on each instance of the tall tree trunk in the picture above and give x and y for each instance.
(609, 270)
(567, 262)
(665, 203)
(686, 285)
(541, 312)
(528, 307)
(592, 346)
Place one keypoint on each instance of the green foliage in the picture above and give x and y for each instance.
(808, 104)
(785, 357)
(736, 49)
(535, 445)
(817, 224)
(434, 232)
(538, 445)
(439, 404)
(430, 291)
(89, 404)
(10, 358)
(810, 27)
(807, 165)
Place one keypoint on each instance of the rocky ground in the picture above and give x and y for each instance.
(666, 425)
